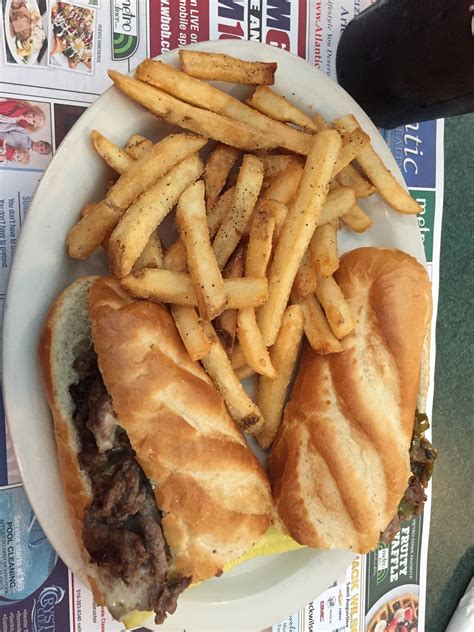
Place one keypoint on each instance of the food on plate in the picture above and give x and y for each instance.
(219, 67)
(202, 95)
(253, 276)
(268, 102)
(26, 28)
(348, 426)
(73, 29)
(400, 613)
(161, 486)
(377, 173)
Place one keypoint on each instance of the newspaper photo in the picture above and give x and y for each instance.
(54, 58)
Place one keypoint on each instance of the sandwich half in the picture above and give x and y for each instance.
(340, 466)
(161, 486)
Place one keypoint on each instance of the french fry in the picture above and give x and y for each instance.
(202, 264)
(226, 324)
(195, 340)
(316, 327)
(218, 165)
(338, 202)
(272, 392)
(88, 208)
(202, 95)
(166, 286)
(252, 345)
(246, 193)
(323, 247)
(113, 155)
(378, 174)
(90, 231)
(137, 146)
(351, 148)
(238, 358)
(268, 102)
(217, 365)
(219, 211)
(152, 255)
(175, 257)
(259, 248)
(172, 110)
(244, 372)
(279, 212)
(283, 188)
(319, 122)
(350, 177)
(220, 67)
(357, 219)
(298, 229)
(147, 212)
(275, 165)
(337, 310)
(305, 279)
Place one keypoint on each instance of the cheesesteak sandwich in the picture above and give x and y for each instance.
(348, 461)
(161, 486)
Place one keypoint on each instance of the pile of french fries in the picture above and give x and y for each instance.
(252, 270)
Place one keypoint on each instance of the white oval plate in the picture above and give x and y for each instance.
(261, 592)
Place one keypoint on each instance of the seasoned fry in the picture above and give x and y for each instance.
(378, 174)
(137, 146)
(218, 166)
(323, 247)
(272, 392)
(284, 187)
(113, 155)
(147, 212)
(337, 311)
(244, 372)
(217, 365)
(317, 329)
(220, 67)
(338, 202)
(90, 231)
(152, 255)
(252, 345)
(350, 177)
(245, 197)
(226, 324)
(319, 122)
(219, 211)
(298, 229)
(275, 165)
(175, 257)
(88, 208)
(166, 286)
(209, 124)
(357, 219)
(202, 95)
(305, 279)
(238, 358)
(259, 248)
(202, 264)
(268, 102)
(195, 340)
(279, 212)
(351, 148)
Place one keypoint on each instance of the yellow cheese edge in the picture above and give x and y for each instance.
(274, 541)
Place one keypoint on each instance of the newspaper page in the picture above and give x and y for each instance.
(54, 58)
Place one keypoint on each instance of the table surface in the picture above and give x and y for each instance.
(451, 550)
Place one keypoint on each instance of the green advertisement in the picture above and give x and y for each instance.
(396, 564)
(426, 199)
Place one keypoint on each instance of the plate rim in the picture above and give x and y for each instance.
(232, 47)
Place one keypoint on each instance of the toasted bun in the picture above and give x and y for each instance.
(340, 464)
(66, 328)
(212, 491)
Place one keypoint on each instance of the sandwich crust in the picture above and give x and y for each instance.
(340, 464)
(212, 492)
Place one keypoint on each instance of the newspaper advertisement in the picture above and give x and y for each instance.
(54, 58)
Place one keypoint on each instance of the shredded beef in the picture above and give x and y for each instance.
(422, 457)
(122, 527)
